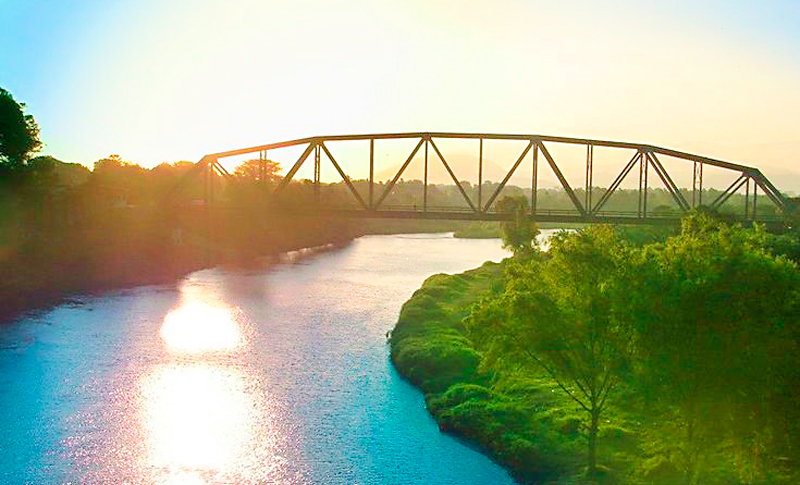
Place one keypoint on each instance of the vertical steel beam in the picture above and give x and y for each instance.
(694, 184)
(425, 178)
(700, 192)
(641, 177)
(589, 169)
(316, 173)
(262, 167)
(206, 183)
(371, 171)
(480, 172)
(535, 178)
(646, 169)
(207, 209)
(747, 199)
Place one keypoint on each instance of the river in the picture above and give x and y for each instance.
(278, 374)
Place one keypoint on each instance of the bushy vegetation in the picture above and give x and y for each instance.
(65, 229)
(617, 361)
(480, 230)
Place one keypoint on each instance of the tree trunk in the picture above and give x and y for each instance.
(592, 472)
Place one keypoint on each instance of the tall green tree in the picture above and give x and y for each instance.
(19, 134)
(715, 317)
(558, 314)
(519, 232)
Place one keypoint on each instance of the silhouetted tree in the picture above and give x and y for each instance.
(252, 169)
(19, 134)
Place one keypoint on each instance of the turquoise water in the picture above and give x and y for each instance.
(275, 375)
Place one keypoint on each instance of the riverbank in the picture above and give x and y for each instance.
(522, 421)
(132, 249)
(493, 230)
(92, 262)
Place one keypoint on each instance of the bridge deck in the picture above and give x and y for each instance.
(466, 214)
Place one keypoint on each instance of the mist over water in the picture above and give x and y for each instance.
(278, 374)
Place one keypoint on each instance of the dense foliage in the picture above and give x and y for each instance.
(559, 314)
(519, 232)
(19, 133)
(670, 362)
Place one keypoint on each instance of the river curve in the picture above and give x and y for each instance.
(278, 374)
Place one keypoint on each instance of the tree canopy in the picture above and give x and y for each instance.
(19, 133)
(557, 314)
(715, 315)
(518, 233)
(256, 169)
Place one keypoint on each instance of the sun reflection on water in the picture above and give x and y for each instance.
(199, 419)
(197, 327)
(204, 415)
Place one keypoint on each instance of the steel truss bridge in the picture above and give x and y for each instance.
(589, 208)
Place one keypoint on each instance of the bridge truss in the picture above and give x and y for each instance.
(590, 207)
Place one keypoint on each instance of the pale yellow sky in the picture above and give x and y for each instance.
(165, 81)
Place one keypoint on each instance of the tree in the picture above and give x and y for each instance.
(19, 134)
(518, 233)
(256, 169)
(557, 314)
(714, 315)
(120, 180)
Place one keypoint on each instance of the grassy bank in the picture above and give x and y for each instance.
(522, 421)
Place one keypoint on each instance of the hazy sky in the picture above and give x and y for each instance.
(166, 80)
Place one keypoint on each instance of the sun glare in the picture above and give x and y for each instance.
(198, 327)
(198, 420)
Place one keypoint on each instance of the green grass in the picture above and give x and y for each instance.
(480, 230)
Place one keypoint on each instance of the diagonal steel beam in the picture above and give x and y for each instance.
(452, 175)
(724, 196)
(614, 185)
(222, 171)
(772, 192)
(391, 184)
(344, 177)
(562, 179)
(668, 182)
(288, 177)
(508, 176)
